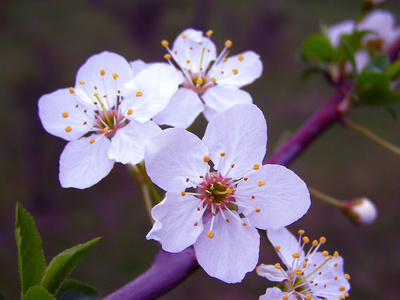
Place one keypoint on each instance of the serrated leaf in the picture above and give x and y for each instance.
(75, 290)
(319, 48)
(38, 293)
(393, 71)
(61, 265)
(31, 260)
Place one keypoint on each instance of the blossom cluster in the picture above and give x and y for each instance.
(218, 193)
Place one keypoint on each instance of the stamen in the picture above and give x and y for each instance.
(102, 72)
(240, 57)
(209, 33)
(258, 210)
(228, 44)
(183, 193)
(261, 183)
(130, 111)
(91, 141)
(235, 71)
(347, 276)
(206, 158)
(81, 82)
(256, 166)
(278, 266)
(139, 94)
(115, 75)
(164, 43)
(68, 128)
(222, 154)
(71, 90)
(183, 36)
(210, 234)
(65, 114)
(167, 56)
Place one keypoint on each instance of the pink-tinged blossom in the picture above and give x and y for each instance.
(210, 83)
(309, 276)
(218, 193)
(361, 211)
(106, 116)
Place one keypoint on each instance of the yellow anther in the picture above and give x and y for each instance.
(258, 210)
(228, 190)
(336, 254)
(325, 253)
(225, 59)
(195, 223)
(240, 57)
(188, 61)
(341, 297)
(301, 231)
(347, 276)
(322, 240)
(183, 193)
(115, 75)
(206, 158)
(346, 294)
(228, 43)
(306, 240)
(308, 297)
(261, 183)
(199, 81)
(285, 297)
(296, 255)
(256, 166)
(65, 114)
(222, 154)
(68, 128)
(183, 36)
(235, 71)
(222, 72)
(210, 234)
(105, 130)
(91, 141)
(102, 72)
(342, 288)
(336, 278)
(164, 43)
(304, 265)
(167, 56)
(81, 82)
(209, 33)
(71, 90)
(336, 265)
(139, 94)
(298, 272)
(244, 224)
(315, 243)
(278, 266)
(130, 111)
(213, 79)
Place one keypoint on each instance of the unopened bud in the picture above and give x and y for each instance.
(361, 211)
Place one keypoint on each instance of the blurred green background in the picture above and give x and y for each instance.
(42, 45)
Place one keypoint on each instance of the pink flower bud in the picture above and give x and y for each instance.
(361, 211)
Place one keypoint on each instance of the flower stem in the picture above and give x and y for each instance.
(150, 185)
(323, 197)
(377, 139)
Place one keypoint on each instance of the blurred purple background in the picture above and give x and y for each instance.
(42, 45)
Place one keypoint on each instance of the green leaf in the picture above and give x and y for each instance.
(378, 65)
(393, 71)
(349, 54)
(38, 293)
(74, 290)
(372, 80)
(61, 265)
(31, 261)
(319, 48)
(378, 96)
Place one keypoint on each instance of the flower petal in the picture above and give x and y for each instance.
(127, 145)
(173, 156)
(60, 117)
(271, 273)
(287, 242)
(239, 70)
(336, 31)
(150, 91)
(279, 193)
(107, 84)
(83, 164)
(276, 294)
(231, 253)
(182, 110)
(219, 98)
(174, 220)
(241, 133)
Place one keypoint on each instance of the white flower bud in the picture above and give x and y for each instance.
(361, 211)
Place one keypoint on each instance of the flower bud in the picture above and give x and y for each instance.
(361, 211)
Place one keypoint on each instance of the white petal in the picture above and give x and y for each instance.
(287, 242)
(283, 199)
(156, 84)
(173, 156)
(106, 85)
(138, 66)
(127, 145)
(174, 220)
(219, 98)
(241, 133)
(83, 164)
(51, 109)
(276, 294)
(231, 253)
(182, 110)
(336, 31)
(271, 273)
(249, 67)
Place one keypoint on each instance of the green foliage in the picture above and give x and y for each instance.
(319, 49)
(61, 265)
(374, 89)
(379, 64)
(74, 290)
(38, 293)
(393, 71)
(31, 260)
